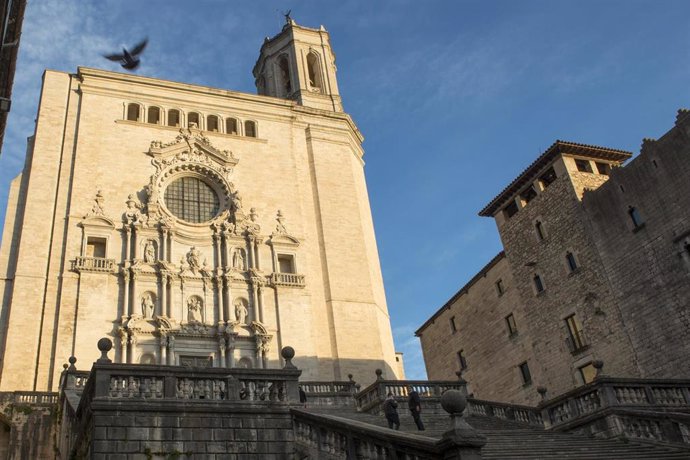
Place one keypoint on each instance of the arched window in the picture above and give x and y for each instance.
(154, 116)
(212, 123)
(284, 74)
(313, 71)
(173, 117)
(250, 128)
(194, 120)
(133, 112)
(231, 125)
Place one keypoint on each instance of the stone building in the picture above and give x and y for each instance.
(194, 226)
(595, 267)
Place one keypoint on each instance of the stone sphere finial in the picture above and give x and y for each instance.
(599, 366)
(453, 402)
(72, 360)
(65, 366)
(104, 345)
(542, 392)
(379, 374)
(349, 377)
(288, 353)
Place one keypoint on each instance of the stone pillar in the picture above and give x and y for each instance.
(221, 349)
(133, 302)
(216, 249)
(128, 241)
(230, 355)
(171, 350)
(127, 307)
(123, 343)
(130, 350)
(228, 311)
(164, 242)
(163, 343)
(164, 295)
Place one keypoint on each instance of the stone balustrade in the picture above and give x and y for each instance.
(430, 391)
(523, 414)
(93, 264)
(332, 394)
(287, 279)
(326, 437)
(29, 397)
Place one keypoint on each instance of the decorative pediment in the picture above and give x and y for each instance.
(258, 328)
(190, 145)
(97, 221)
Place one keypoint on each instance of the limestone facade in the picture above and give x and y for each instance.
(595, 267)
(194, 226)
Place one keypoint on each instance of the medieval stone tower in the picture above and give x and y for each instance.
(194, 226)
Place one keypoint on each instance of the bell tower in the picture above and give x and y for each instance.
(299, 64)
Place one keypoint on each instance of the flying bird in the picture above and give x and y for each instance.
(129, 59)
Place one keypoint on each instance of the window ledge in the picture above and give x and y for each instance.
(513, 335)
(527, 384)
(639, 227)
(574, 272)
(579, 350)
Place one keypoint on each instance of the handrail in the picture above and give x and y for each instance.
(29, 397)
(327, 436)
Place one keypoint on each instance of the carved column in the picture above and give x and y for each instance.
(183, 316)
(251, 256)
(224, 248)
(171, 350)
(257, 261)
(127, 308)
(123, 342)
(204, 312)
(134, 242)
(221, 348)
(216, 249)
(254, 301)
(164, 295)
(230, 356)
(218, 296)
(228, 312)
(260, 291)
(164, 243)
(163, 343)
(130, 351)
(133, 303)
(128, 241)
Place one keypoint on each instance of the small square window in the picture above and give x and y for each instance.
(635, 216)
(547, 178)
(500, 288)
(462, 360)
(510, 322)
(529, 194)
(583, 166)
(510, 210)
(576, 338)
(603, 168)
(95, 247)
(453, 326)
(524, 372)
(286, 263)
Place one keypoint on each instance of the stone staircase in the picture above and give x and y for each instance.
(509, 440)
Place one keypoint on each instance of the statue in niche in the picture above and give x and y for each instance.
(238, 259)
(147, 305)
(240, 311)
(149, 252)
(194, 259)
(194, 309)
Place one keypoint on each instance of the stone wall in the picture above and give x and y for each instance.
(648, 268)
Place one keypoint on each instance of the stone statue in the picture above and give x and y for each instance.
(149, 252)
(238, 259)
(194, 309)
(97, 208)
(241, 312)
(194, 259)
(280, 226)
(147, 305)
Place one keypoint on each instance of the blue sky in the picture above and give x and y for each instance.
(454, 99)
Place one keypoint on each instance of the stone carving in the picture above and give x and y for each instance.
(194, 259)
(97, 209)
(241, 311)
(238, 260)
(150, 252)
(280, 226)
(194, 305)
(135, 211)
(147, 305)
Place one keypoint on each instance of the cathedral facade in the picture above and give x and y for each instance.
(194, 226)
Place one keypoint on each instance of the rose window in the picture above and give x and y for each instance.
(191, 200)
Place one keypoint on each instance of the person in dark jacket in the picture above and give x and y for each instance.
(415, 405)
(302, 396)
(390, 409)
